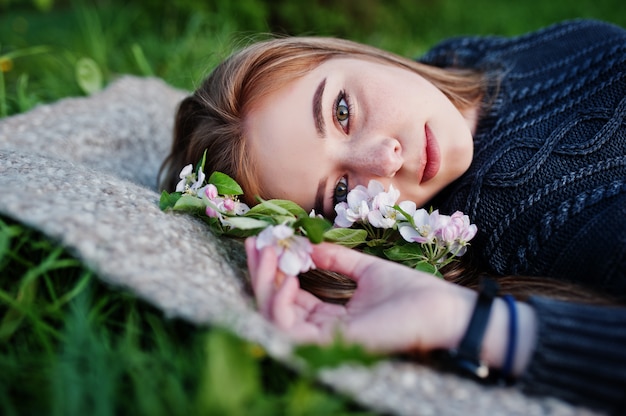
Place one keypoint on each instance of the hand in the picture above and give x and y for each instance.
(394, 308)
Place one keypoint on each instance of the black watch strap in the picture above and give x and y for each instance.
(466, 358)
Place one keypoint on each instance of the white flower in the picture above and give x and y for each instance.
(361, 204)
(425, 229)
(240, 208)
(354, 209)
(293, 251)
(383, 213)
(200, 180)
(187, 170)
(374, 188)
(188, 182)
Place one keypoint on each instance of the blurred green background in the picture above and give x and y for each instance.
(43, 43)
(69, 345)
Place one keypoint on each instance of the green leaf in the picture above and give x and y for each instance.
(314, 228)
(239, 233)
(88, 75)
(246, 223)
(201, 166)
(378, 242)
(189, 203)
(411, 251)
(378, 251)
(273, 219)
(167, 200)
(406, 215)
(424, 266)
(225, 184)
(349, 237)
(214, 223)
(279, 206)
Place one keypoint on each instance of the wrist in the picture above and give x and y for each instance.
(466, 356)
(499, 334)
(496, 341)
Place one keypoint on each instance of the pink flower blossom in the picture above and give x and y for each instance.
(451, 233)
(212, 212)
(219, 206)
(210, 191)
(293, 251)
(228, 205)
(466, 230)
(459, 232)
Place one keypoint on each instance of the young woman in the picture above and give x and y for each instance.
(526, 135)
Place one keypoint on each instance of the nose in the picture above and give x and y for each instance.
(380, 157)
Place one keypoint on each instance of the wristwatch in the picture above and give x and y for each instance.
(465, 359)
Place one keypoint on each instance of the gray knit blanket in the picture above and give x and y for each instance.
(83, 171)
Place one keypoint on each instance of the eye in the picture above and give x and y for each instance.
(342, 111)
(340, 194)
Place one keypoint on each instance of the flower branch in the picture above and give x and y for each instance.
(371, 218)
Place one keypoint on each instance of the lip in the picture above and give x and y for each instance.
(433, 156)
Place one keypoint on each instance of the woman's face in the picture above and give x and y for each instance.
(352, 120)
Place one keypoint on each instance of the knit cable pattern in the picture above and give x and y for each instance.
(550, 154)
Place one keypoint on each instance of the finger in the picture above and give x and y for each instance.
(296, 320)
(307, 300)
(283, 305)
(263, 283)
(326, 313)
(252, 256)
(352, 263)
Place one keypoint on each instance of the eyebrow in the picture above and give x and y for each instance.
(319, 196)
(320, 126)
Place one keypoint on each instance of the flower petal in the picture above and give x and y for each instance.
(409, 233)
(186, 171)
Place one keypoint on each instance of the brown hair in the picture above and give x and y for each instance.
(213, 119)
(336, 288)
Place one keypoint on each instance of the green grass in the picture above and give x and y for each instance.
(180, 41)
(70, 344)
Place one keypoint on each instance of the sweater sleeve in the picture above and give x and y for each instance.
(580, 354)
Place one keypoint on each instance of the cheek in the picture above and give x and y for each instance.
(459, 155)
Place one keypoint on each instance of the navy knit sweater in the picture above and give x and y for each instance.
(547, 189)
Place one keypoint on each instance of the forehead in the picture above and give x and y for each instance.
(281, 136)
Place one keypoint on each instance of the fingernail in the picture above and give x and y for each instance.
(279, 279)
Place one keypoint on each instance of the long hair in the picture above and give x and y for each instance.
(336, 288)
